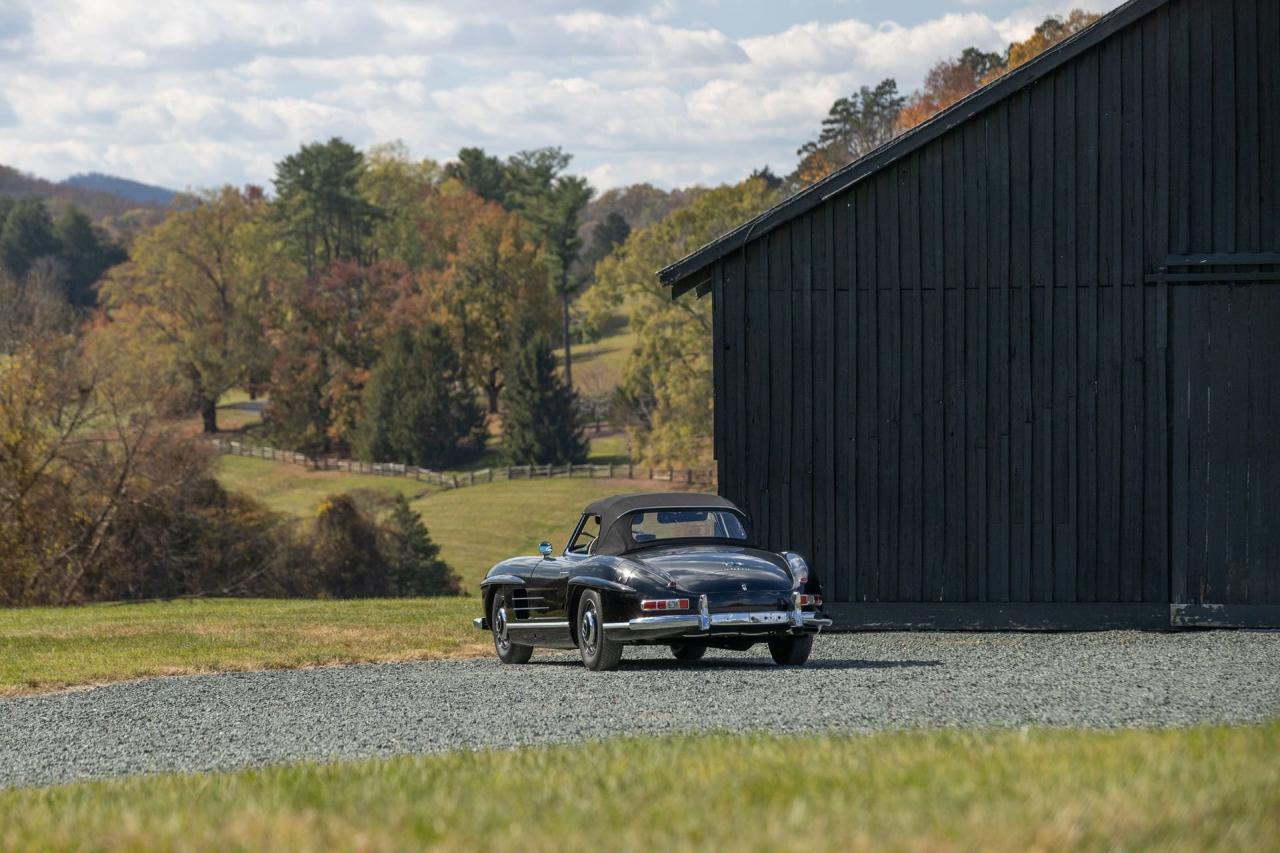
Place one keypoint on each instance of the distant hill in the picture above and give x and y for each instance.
(123, 217)
(123, 187)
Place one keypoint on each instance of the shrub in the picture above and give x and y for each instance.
(345, 551)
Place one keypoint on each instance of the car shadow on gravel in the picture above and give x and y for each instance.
(657, 665)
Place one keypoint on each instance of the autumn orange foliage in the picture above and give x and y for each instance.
(953, 79)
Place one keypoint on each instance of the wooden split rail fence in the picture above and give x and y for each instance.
(456, 480)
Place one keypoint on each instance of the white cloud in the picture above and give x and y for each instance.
(190, 93)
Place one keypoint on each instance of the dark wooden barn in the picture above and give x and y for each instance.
(1020, 367)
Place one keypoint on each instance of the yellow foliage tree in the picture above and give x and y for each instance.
(490, 280)
(195, 288)
(666, 388)
(953, 79)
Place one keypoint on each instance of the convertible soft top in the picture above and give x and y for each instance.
(613, 537)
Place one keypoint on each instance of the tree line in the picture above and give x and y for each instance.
(381, 300)
(866, 119)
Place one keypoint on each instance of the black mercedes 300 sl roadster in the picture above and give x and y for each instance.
(654, 569)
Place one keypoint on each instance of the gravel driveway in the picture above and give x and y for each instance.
(856, 682)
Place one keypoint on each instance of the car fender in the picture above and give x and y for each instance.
(502, 580)
(592, 582)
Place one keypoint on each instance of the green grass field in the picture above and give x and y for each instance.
(1197, 789)
(295, 490)
(43, 648)
(476, 526)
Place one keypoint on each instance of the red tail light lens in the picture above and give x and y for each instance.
(665, 604)
(810, 600)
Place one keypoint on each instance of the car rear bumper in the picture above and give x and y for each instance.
(704, 624)
(732, 625)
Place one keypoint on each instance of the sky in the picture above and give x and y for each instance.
(673, 92)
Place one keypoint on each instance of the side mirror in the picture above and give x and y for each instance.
(544, 548)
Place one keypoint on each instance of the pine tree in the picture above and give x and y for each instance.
(417, 407)
(413, 559)
(541, 423)
(26, 236)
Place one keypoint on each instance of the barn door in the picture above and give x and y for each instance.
(1224, 402)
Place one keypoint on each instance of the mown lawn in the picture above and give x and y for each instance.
(476, 526)
(43, 648)
(1197, 789)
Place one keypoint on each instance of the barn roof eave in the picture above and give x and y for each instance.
(690, 272)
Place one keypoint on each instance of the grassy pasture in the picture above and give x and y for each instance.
(476, 526)
(44, 648)
(1188, 789)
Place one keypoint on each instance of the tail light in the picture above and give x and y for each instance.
(806, 600)
(665, 604)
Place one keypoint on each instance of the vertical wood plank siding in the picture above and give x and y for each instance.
(953, 380)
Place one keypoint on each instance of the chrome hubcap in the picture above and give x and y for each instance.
(500, 628)
(589, 630)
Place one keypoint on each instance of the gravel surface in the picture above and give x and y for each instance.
(854, 682)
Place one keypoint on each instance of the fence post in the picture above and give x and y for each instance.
(689, 476)
(490, 475)
(472, 480)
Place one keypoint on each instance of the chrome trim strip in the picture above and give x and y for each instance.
(481, 622)
(513, 625)
(673, 622)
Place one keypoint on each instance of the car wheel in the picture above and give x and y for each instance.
(599, 652)
(508, 652)
(688, 651)
(791, 651)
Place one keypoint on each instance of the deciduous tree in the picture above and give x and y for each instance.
(194, 290)
(327, 331)
(346, 553)
(947, 82)
(666, 392)
(492, 281)
(403, 190)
